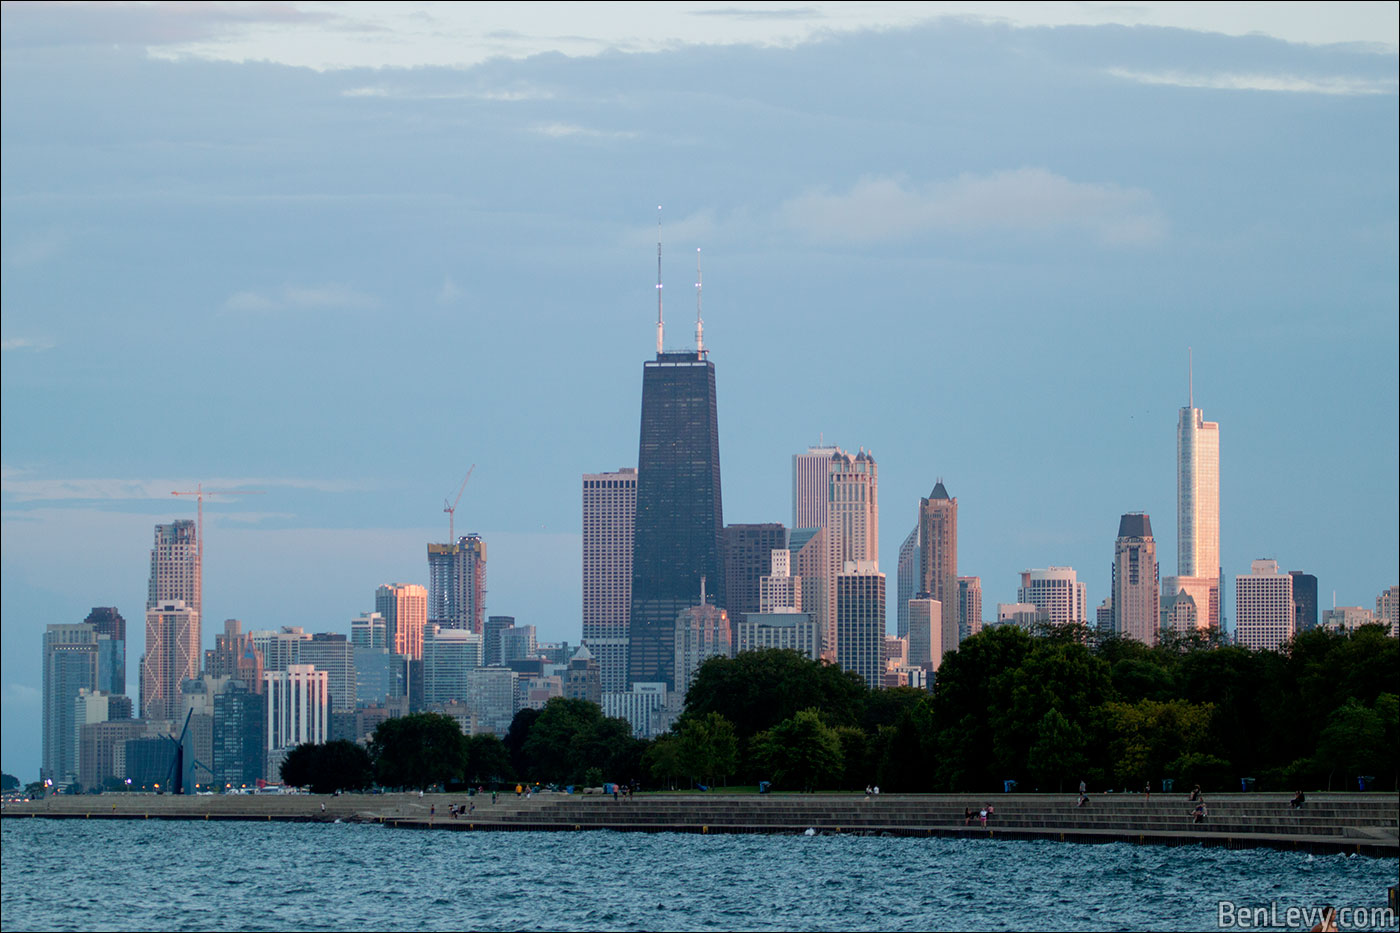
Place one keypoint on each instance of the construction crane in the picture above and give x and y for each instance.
(451, 509)
(199, 492)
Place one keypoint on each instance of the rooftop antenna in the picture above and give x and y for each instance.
(1190, 379)
(660, 327)
(699, 319)
(702, 590)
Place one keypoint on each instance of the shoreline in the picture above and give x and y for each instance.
(1363, 824)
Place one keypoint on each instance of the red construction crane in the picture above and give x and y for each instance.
(451, 509)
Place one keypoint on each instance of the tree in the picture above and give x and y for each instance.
(663, 760)
(802, 752)
(418, 750)
(759, 689)
(708, 748)
(571, 736)
(325, 769)
(1058, 751)
(488, 762)
(1148, 735)
(8, 782)
(1353, 742)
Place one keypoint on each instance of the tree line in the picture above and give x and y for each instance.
(1045, 709)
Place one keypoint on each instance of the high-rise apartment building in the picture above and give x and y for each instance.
(333, 653)
(1388, 609)
(809, 487)
(106, 620)
(1264, 610)
(298, 711)
(748, 558)
(70, 666)
(235, 655)
(1304, 601)
(969, 607)
(1136, 599)
(404, 607)
(932, 634)
(852, 528)
(172, 657)
(938, 551)
(457, 583)
(1198, 511)
(369, 630)
(860, 621)
(1057, 594)
(449, 654)
(175, 567)
(789, 630)
(779, 590)
(702, 632)
(679, 534)
(609, 520)
(907, 579)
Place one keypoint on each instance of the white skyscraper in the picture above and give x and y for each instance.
(1264, 611)
(852, 529)
(298, 710)
(809, 487)
(1056, 593)
(1197, 513)
(609, 519)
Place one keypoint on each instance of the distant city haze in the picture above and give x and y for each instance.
(264, 254)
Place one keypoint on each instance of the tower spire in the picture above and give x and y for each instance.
(660, 326)
(1190, 379)
(699, 319)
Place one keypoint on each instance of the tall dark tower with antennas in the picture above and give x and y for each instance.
(679, 530)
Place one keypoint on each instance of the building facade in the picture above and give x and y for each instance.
(1198, 511)
(860, 621)
(702, 632)
(679, 530)
(172, 657)
(969, 607)
(1264, 611)
(1057, 594)
(404, 607)
(609, 521)
(907, 579)
(748, 558)
(809, 487)
(852, 528)
(938, 551)
(1136, 598)
(457, 583)
(176, 572)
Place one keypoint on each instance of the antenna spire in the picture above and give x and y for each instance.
(660, 326)
(1190, 379)
(699, 319)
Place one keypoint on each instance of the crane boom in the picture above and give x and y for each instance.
(452, 509)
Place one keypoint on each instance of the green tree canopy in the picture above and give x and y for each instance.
(758, 689)
(327, 768)
(708, 749)
(571, 736)
(1148, 735)
(488, 762)
(418, 750)
(801, 753)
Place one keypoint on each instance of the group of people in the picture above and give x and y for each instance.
(984, 814)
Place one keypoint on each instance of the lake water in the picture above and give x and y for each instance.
(116, 875)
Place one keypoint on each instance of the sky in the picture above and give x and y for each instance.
(336, 254)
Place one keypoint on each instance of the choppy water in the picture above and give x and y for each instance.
(70, 875)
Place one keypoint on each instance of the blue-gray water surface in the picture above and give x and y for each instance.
(71, 875)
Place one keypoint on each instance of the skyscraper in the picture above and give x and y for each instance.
(1304, 601)
(609, 517)
(860, 621)
(404, 607)
(1056, 593)
(680, 512)
(938, 552)
(809, 487)
(748, 557)
(1136, 599)
(1264, 610)
(1198, 511)
(234, 655)
(106, 620)
(969, 607)
(906, 579)
(175, 566)
(70, 665)
(852, 528)
(457, 583)
(172, 657)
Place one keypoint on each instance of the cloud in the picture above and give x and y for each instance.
(19, 489)
(688, 232)
(1027, 200)
(560, 130)
(506, 95)
(36, 344)
(301, 298)
(43, 24)
(1236, 81)
(797, 12)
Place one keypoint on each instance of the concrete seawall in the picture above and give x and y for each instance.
(1366, 824)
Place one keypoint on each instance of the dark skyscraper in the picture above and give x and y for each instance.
(1304, 601)
(680, 516)
(748, 557)
(680, 519)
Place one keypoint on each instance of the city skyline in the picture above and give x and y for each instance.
(853, 219)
